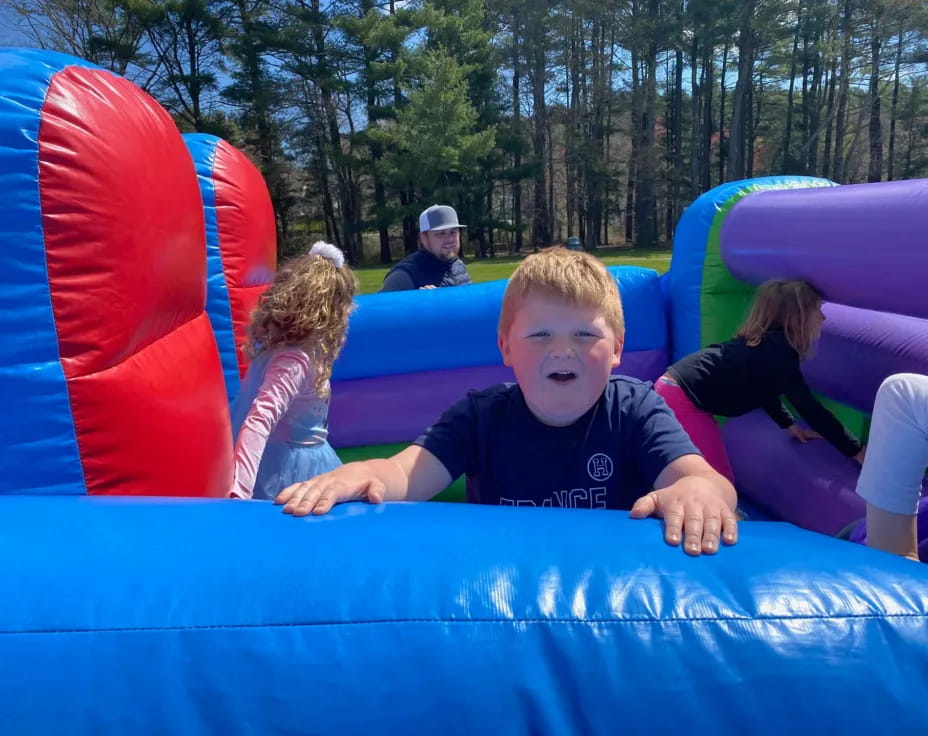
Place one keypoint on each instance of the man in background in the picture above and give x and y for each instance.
(436, 263)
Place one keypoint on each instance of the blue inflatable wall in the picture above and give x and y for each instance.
(690, 240)
(202, 149)
(157, 616)
(37, 429)
(411, 331)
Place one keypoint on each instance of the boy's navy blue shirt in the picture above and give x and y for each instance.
(424, 269)
(608, 458)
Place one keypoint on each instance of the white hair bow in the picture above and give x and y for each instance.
(327, 250)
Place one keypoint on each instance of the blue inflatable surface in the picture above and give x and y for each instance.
(36, 428)
(690, 238)
(411, 331)
(156, 616)
(202, 149)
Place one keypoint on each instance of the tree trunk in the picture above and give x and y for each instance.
(517, 132)
(695, 94)
(571, 134)
(739, 129)
(541, 233)
(645, 201)
(631, 194)
(788, 127)
(608, 85)
(410, 242)
(594, 164)
(376, 148)
(815, 108)
(829, 117)
(839, 165)
(489, 205)
(875, 170)
(722, 112)
(892, 115)
(751, 127)
(676, 186)
(551, 208)
(806, 102)
(709, 68)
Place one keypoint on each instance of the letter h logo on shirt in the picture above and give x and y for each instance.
(599, 467)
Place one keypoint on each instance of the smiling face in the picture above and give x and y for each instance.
(443, 244)
(562, 355)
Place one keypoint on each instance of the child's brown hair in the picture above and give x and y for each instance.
(307, 304)
(789, 305)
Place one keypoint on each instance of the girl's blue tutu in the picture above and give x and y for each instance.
(297, 448)
(284, 463)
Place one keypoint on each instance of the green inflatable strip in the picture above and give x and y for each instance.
(724, 300)
(454, 493)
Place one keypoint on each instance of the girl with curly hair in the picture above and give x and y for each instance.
(279, 418)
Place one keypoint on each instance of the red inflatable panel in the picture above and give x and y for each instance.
(247, 236)
(125, 249)
(152, 421)
(123, 224)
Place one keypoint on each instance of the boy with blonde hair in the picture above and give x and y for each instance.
(567, 433)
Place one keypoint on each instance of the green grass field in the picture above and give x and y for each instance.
(492, 269)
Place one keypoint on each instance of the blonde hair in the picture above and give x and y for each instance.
(788, 305)
(307, 304)
(574, 276)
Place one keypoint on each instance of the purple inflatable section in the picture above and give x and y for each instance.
(856, 243)
(859, 348)
(814, 485)
(397, 408)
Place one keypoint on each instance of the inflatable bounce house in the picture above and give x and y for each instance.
(863, 247)
(241, 245)
(127, 278)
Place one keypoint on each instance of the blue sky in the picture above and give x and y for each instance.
(9, 35)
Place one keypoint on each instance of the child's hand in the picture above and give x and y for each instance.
(352, 482)
(693, 509)
(803, 435)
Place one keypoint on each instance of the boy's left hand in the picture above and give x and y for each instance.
(697, 507)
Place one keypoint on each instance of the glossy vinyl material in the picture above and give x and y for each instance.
(875, 344)
(398, 408)
(857, 244)
(104, 282)
(412, 331)
(811, 485)
(145, 617)
(36, 431)
(172, 439)
(241, 245)
(122, 221)
(695, 256)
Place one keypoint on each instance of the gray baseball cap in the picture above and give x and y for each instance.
(439, 217)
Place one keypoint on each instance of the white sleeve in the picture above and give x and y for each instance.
(283, 379)
(897, 454)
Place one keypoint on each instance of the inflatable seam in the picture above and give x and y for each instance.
(507, 621)
(51, 301)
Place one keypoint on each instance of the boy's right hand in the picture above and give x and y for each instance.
(351, 482)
